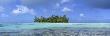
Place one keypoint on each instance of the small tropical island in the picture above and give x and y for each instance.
(52, 19)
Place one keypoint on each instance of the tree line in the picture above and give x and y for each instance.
(52, 19)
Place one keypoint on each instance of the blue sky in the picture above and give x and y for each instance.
(76, 10)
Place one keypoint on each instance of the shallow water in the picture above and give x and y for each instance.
(54, 29)
(15, 26)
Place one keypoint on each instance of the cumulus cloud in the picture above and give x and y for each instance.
(23, 10)
(66, 9)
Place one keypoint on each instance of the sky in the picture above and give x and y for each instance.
(75, 10)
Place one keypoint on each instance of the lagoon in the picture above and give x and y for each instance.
(14, 26)
(31, 26)
(54, 29)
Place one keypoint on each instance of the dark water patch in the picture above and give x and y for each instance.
(1, 25)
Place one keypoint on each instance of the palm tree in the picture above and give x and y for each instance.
(52, 19)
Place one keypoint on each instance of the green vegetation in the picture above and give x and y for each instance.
(52, 19)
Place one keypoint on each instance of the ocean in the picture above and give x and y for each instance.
(54, 29)
(52, 25)
(31, 26)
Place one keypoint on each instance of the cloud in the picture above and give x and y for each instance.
(64, 1)
(3, 15)
(82, 15)
(66, 9)
(23, 10)
(57, 4)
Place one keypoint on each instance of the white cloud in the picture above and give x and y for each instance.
(57, 4)
(3, 15)
(64, 1)
(22, 10)
(82, 15)
(66, 9)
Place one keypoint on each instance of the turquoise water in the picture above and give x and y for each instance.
(54, 29)
(18, 26)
